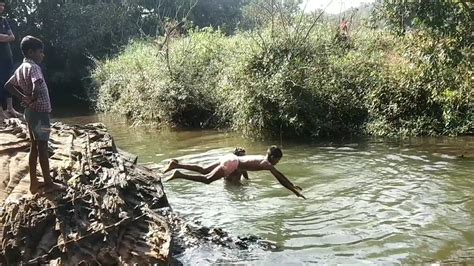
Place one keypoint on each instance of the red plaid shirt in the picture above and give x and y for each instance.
(24, 77)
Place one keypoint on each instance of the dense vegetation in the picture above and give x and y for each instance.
(290, 76)
(74, 31)
(264, 67)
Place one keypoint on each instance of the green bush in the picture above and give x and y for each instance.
(295, 89)
(268, 83)
(273, 94)
(147, 87)
(424, 91)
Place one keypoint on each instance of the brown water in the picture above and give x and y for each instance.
(369, 201)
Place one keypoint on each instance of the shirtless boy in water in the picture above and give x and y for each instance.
(229, 164)
(233, 177)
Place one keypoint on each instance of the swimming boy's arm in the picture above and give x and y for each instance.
(286, 182)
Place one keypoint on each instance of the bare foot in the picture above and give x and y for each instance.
(175, 175)
(52, 187)
(14, 113)
(170, 166)
(3, 116)
(35, 186)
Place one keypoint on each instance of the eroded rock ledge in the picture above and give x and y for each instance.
(113, 211)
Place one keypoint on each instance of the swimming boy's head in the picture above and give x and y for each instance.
(32, 48)
(274, 154)
(239, 151)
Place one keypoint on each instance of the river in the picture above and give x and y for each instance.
(368, 200)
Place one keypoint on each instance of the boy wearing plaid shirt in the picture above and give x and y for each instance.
(28, 84)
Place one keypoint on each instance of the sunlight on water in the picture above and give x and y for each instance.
(368, 201)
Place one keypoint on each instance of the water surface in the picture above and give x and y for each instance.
(369, 201)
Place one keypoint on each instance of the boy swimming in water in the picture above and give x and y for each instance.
(229, 164)
(233, 177)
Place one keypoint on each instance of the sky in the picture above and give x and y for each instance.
(332, 6)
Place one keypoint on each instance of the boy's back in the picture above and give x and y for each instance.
(254, 163)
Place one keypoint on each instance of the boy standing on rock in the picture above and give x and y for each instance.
(28, 84)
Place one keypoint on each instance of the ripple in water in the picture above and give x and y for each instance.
(368, 202)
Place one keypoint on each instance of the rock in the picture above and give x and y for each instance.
(112, 212)
(108, 214)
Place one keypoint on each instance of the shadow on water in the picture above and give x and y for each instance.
(369, 200)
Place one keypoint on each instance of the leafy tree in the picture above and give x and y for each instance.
(443, 18)
(226, 14)
(261, 13)
(76, 30)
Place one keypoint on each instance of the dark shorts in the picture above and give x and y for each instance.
(6, 67)
(38, 124)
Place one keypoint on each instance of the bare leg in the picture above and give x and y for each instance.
(44, 163)
(32, 162)
(216, 174)
(3, 115)
(174, 164)
(11, 110)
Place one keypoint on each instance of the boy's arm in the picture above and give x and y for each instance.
(9, 37)
(10, 85)
(35, 91)
(37, 79)
(286, 182)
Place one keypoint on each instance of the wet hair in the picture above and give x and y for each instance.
(2, 2)
(239, 151)
(30, 43)
(274, 152)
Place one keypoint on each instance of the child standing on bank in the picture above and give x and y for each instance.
(28, 84)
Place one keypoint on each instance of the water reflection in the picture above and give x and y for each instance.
(369, 201)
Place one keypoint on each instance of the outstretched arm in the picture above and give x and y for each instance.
(286, 182)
